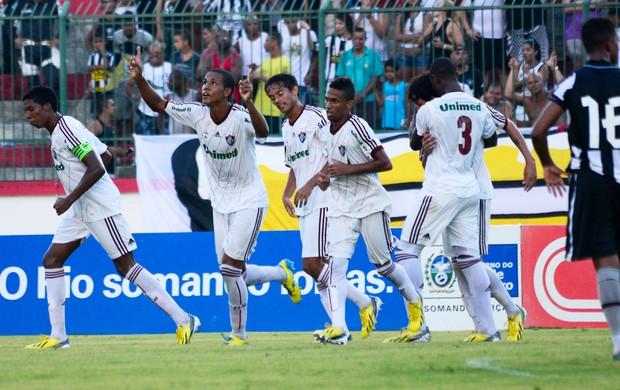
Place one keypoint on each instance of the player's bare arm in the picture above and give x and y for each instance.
(151, 98)
(380, 163)
(552, 173)
(258, 120)
(302, 194)
(94, 172)
(289, 190)
(529, 172)
(323, 181)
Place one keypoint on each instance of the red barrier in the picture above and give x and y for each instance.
(557, 293)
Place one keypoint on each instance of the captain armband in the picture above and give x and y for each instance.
(82, 150)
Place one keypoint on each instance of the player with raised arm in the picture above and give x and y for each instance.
(420, 92)
(450, 195)
(305, 156)
(358, 203)
(92, 205)
(227, 134)
(592, 97)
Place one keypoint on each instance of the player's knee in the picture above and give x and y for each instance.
(53, 261)
(124, 263)
(312, 266)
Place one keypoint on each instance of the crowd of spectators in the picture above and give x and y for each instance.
(508, 53)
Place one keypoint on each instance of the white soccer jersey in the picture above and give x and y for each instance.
(459, 122)
(304, 153)
(362, 194)
(297, 49)
(482, 172)
(230, 155)
(71, 139)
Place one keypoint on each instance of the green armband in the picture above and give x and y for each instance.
(82, 150)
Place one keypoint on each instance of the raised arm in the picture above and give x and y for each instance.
(258, 120)
(150, 97)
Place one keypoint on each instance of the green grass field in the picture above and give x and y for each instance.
(545, 359)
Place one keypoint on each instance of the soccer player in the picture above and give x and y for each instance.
(304, 155)
(420, 92)
(358, 203)
(227, 134)
(450, 195)
(92, 206)
(591, 96)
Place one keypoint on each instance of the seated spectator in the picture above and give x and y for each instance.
(103, 128)
(37, 38)
(390, 96)
(126, 40)
(157, 73)
(364, 67)
(251, 45)
(100, 65)
(337, 44)
(180, 91)
(223, 56)
(275, 64)
(535, 100)
(184, 58)
(468, 75)
(494, 97)
(526, 21)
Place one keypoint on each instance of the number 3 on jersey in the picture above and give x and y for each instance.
(464, 125)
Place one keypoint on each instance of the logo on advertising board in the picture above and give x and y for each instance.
(439, 274)
(557, 293)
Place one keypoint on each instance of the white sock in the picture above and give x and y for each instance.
(142, 278)
(412, 265)
(499, 292)
(325, 294)
(257, 274)
(398, 276)
(608, 281)
(479, 287)
(356, 296)
(465, 294)
(237, 299)
(56, 292)
(339, 290)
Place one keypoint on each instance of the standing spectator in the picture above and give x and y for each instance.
(299, 43)
(574, 22)
(442, 33)
(125, 42)
(390, 96)
(104, 26)
(180, 91)
(364, 67)
(487, 31)
(467, 74)
(271, 66)
(37, 37)
(230, 13)
(223, 56)
(156, 72)
(374, 24)
(525, 22)
(337, 44)
(184, 58)
(170, 19)
(103, 128)
(251, 45)
(409, 30)
(100, 65)
(593, 228)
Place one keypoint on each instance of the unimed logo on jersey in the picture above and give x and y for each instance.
(220, 156)
(461, 107)
(557, 293)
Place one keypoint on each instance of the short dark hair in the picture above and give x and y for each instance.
(285, 80)
(274, 35)
(359, 29)
(345, 85)
(389, 62)
(101, 102)
(596, 32)
(444, 68)
(41, 95)
(185, 36)
(421, 88)
(229, 81)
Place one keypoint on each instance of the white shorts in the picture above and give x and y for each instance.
(112, 233)
(313, 233)
(343, 232)
(458, 217)
(236, 232)
(484, 226)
